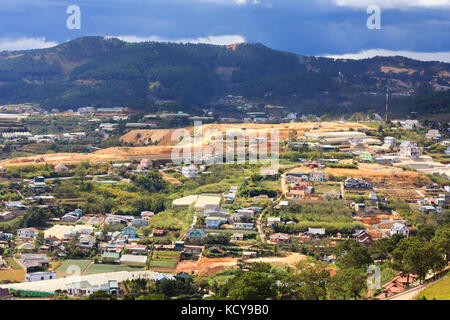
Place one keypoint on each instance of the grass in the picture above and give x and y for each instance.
(175, 219)
(105, 268)
(13, 264)
(439, 290)
(10, 223)
(166, 264)
(71, 265)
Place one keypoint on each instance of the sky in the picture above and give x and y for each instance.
(418, 29)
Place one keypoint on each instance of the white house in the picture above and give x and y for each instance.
(391, 141)
(410, 149)
(399, 228)
(190, 171)
(40, 276)
(27, 233)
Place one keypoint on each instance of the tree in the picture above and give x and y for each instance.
(249, 286)
(353, 255)
(307, 282)
(417, 256)
(349, 282)
(442, 240)
(39, 241)
(101, 295)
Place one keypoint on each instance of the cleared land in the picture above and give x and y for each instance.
(165, 145)
(210, 266)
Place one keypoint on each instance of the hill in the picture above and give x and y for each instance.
(97, 71)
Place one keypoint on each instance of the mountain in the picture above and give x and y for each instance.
(99, 71)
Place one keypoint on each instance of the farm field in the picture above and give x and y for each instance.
(165, 259)
(70, 266)
(104, 268)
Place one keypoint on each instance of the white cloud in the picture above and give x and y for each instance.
(25, 44)
(422, 56)
(391, 3)
(217, 40)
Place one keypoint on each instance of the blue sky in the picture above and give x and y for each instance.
(416, 28)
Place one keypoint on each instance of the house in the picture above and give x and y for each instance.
(317, 176)
(271, 221)
(238, 236)
(299, 186)
(195, 233)
(130, 232)
(159, 233)
(72, 216)
(139, 223)
(190, 171)
(86, 242)
(353, 183)
(433, 134)
(5, 236)
(399, 228)
(390, 141)
(215, 222)
(5, 216)
(246, 212)
(15, 206)
(284, 203)
(249, 254)
(40, 276)
(179, 246)
(145, 163)
(411, 124)
(114, 221)
(85, 288)
(296, 194)
(316, 232)
(243, 225)
(410, 149)
(38, 183)
(280, 238)
(146, 215)
(34, 261)
(60, 167)
(363, 237)
(26, 246)
(136, 248)
(27, 233)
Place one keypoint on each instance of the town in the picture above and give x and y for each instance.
(94, 207)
